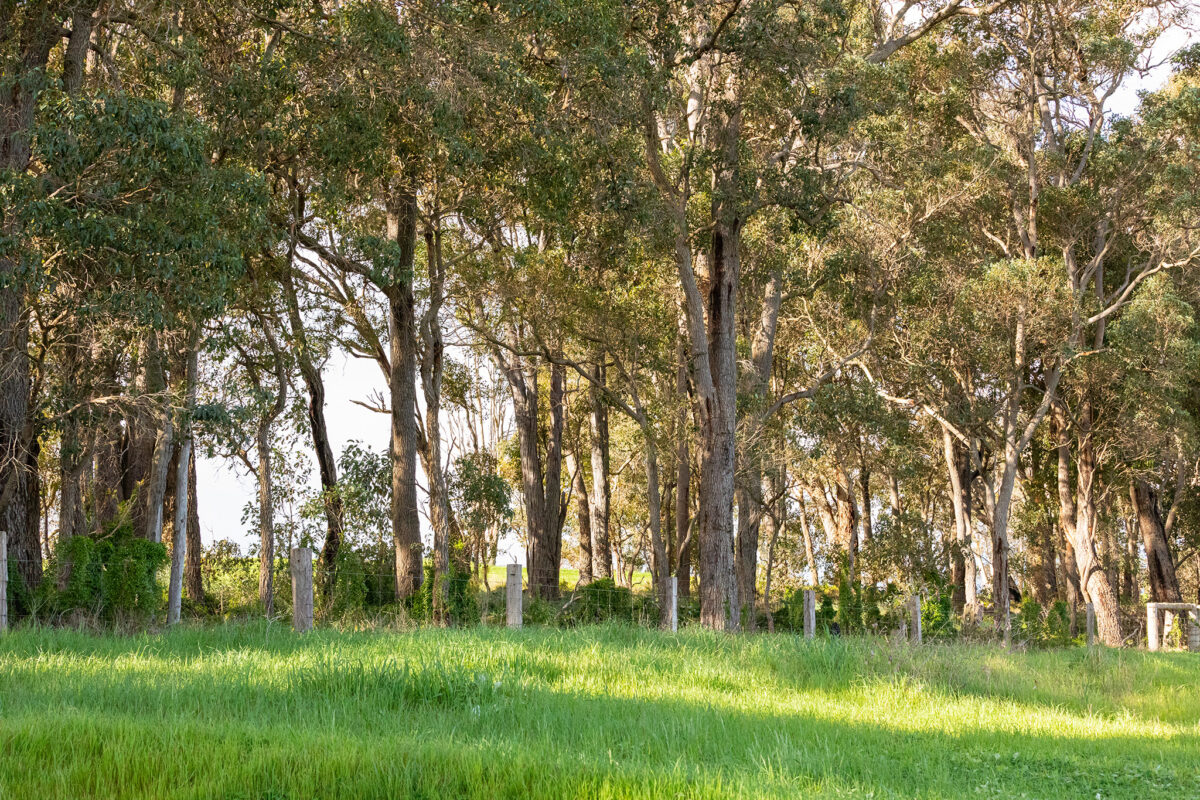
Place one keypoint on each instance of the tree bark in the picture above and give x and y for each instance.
(406, 525)
(193, 577)
(319, 430)
(1077, 517)
(583, 520)
(179, 539)
(432, 366)
(1160, 567)
(601, 492)
(963, 572)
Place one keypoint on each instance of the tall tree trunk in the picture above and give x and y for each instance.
(1077, 517)
(864, 486)
(192, 575)
(266, 519)
(432, 366)
(1164, 583)
(156, 481)
(814, 578)
(319, 429)
(963, 573)
(683, 479)
(601, 492)
(583, 520)
(718, 580)
(179, 539)
(406, 524)
(544, 554)
(37, 32)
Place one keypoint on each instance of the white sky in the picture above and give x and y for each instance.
(223, 490)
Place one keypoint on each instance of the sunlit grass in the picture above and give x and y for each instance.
(255, 711)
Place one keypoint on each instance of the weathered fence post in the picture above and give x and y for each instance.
(1091, 625)
(513, 596)
(1194, 630)
(673, 603)
(810, 613)
(3, 581)
(914, 603)
(1152, 626)
(302, 589)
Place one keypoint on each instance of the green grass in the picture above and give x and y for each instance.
(254, 711)
(497, 575)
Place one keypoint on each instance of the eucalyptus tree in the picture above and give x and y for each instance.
(741, 97)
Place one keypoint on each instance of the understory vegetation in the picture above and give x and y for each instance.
(256, 711)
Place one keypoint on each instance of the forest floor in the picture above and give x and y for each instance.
(254, 711)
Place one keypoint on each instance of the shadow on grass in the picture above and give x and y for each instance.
(146, 727)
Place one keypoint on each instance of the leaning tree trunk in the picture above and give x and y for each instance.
(1164, 583)
(326, 465)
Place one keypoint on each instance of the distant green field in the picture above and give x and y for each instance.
(498, 574)
(255, 711)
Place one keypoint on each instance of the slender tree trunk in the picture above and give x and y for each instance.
(156, 482)
(319, 429)
(864, 485)
(193, 578)
(963, 573)
(583, 520)
(266, 520)
(406, 523)
(602, 553)
(545, 552)
(683, 480)
(432, 366)
(179, 538)
(814, 578)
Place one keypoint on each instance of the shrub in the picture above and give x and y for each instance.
(462, 601)
(348, 595)
(600, 601)
(113, 577)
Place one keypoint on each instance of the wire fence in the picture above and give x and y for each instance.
(129, 589)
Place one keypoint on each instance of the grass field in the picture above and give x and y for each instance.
(254, 711)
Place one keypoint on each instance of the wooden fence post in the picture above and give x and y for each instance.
(302, 589)
(513, 596)
(810, 613)
(3, 581)
(1091, 625)
(1152, 626)
(915, 611)
(673, 603)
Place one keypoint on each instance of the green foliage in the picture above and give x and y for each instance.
(850, 607)
(462, 597)
(115, 577)
(348, 595)
(601, 601)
